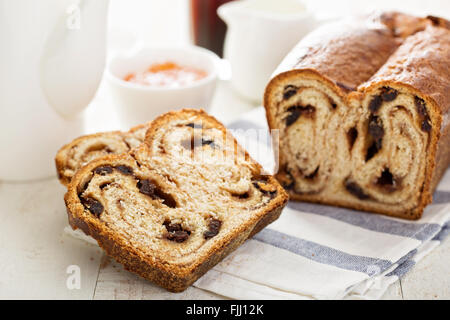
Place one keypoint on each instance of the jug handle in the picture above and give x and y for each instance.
(55, 72)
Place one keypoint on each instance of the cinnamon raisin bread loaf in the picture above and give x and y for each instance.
(362, 106)
(80, 151)
(174, 207)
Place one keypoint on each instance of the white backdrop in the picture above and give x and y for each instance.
(167, 21)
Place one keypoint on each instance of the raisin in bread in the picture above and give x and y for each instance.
(84, 149)
(362, 106)
(174, 207)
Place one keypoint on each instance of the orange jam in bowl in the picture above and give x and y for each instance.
(167, 74)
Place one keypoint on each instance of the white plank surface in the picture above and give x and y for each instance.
(430, 278)
(394, 292)
(115, 283)
(34, 251)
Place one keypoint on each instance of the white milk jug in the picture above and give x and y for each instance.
(260, 33)
(51, 60)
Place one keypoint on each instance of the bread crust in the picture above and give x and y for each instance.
(406, 52)
(173, 277)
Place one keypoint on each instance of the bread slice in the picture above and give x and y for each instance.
(363, 112)
(177, 205)
(84, 149)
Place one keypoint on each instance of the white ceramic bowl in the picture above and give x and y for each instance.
(136, 103)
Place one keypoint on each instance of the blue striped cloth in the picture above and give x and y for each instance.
(322, 252)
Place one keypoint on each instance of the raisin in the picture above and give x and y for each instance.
(287, 180)
(313, 175)
(210, 143)
(178, 236)
(375, 104)
(242, 196)
(292, 118)
(376, 130)
(173, 227)
(352, 135)
(103, 170)
(372, 151)
(289, 185)
(389, 94)
(296, 111)
(194, 125)
(332, 103)
(265, 188)
(426, 126)
(421, 107)
(289, 92)
(213, 228)
(387, 181)
(150, 189)
(195, 142)
(104, 185)
(355, 190)
(176, 232)
(386, 178)
(94, 206)
(146, 187)
(423, 113)
(125, 170)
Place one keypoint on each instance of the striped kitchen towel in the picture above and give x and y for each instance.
(320, 252)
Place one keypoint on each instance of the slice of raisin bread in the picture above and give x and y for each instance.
(177, 205)
(363, 109)
(80, 151)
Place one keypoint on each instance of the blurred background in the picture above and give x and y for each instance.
(184, 22)
(168, 21)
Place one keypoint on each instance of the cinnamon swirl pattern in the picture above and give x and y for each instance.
(175, 206)
(363, 110)
(82, 150)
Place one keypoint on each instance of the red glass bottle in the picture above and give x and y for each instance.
(208, 29)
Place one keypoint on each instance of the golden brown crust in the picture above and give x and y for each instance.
(174, 277)
(439, 22)
(349, 52)
(358, 56)
(358, 43)
(421, 62)
(62, 156)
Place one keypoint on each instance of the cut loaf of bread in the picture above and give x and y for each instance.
(84, 149)
(363, 109)
(177, 205)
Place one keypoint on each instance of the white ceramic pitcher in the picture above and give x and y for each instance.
(260, 34)
(51, 60)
